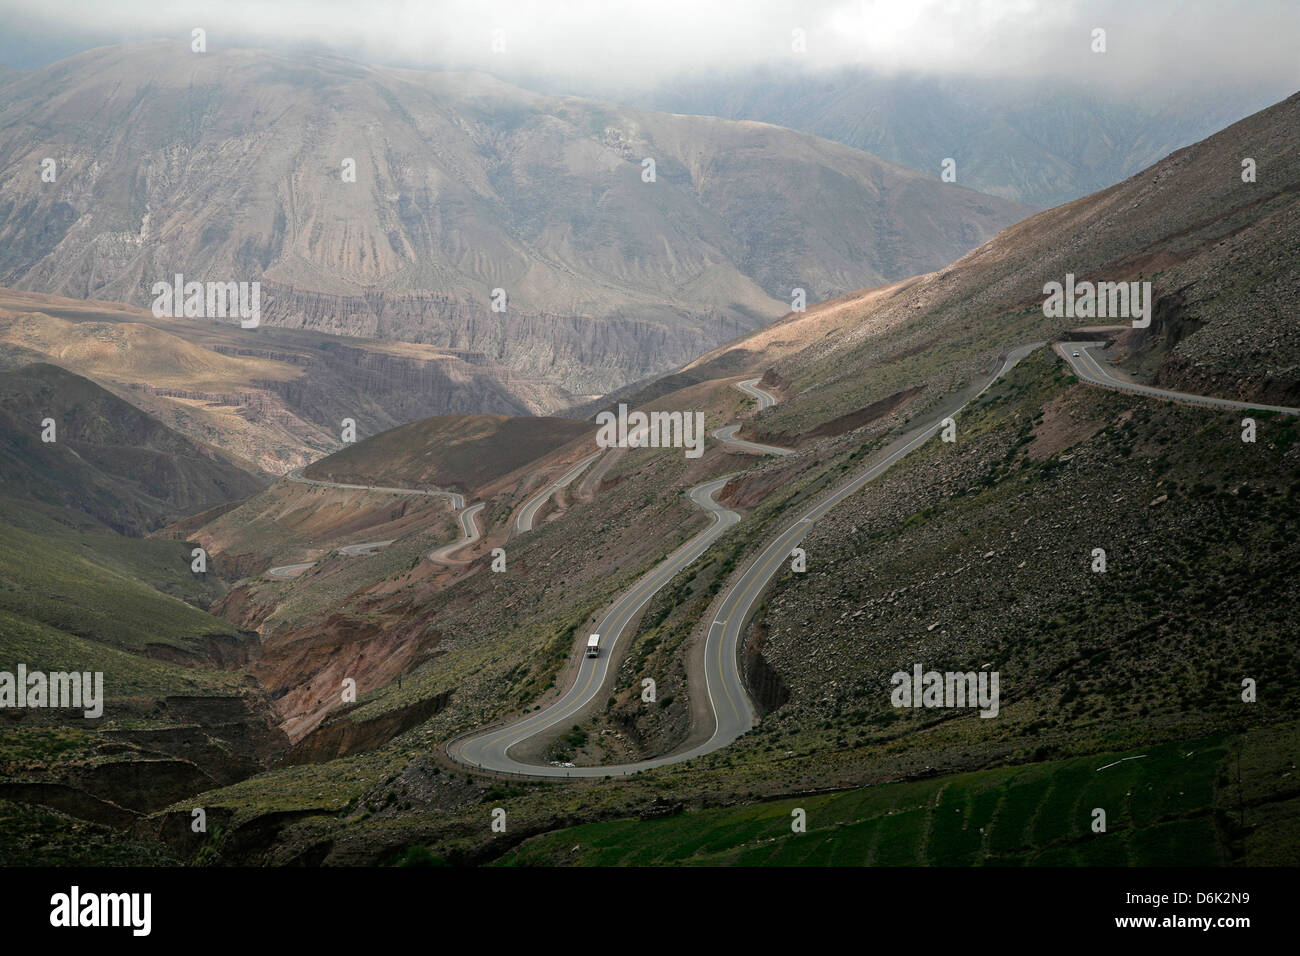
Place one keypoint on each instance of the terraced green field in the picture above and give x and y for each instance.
(1159, 804)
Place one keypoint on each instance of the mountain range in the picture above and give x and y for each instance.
(231, 166)
(271, 399)
(1044, 143)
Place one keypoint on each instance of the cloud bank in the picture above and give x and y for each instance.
(1156, 43)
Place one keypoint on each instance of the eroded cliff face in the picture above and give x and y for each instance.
(410, 387)
(584, 355)
(167, 749)
(340, 734)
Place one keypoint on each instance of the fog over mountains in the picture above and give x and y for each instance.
(1044, 143)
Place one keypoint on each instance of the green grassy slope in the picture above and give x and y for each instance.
(1169, 805)
(106, 589)
(39, 836)
(126, 675)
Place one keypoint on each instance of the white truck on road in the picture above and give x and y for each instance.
(593, 645)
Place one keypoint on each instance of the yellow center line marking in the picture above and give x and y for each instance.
(778, 553)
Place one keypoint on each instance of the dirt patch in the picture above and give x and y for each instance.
(340, 736)
(1063, 425)
(844, 423)
(774, 384)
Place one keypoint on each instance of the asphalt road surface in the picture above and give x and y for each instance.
(289, 570)
(1087, 367)
(457, 500)
(750, 387)
(469, 534)
(490, 748)
(727, 433)
(369, 547)
(524, 520)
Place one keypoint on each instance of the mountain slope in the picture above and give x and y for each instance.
(449, 451)
(228, 166)
(177, 716)
(1218, 252)
(110, 463)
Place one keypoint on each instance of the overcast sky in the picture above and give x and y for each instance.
(1152, 43)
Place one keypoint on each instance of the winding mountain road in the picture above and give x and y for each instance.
(751, 387)
(290, 570)
(727, 435)
(1088, 368)
(469, 534)
(489, 749)
(728, 701)
(528, 513)
(524, 520)
(733, 713)
(455, 499)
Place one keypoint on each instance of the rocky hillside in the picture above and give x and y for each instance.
(1216, 250)
(982, 556)
(230, 165)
